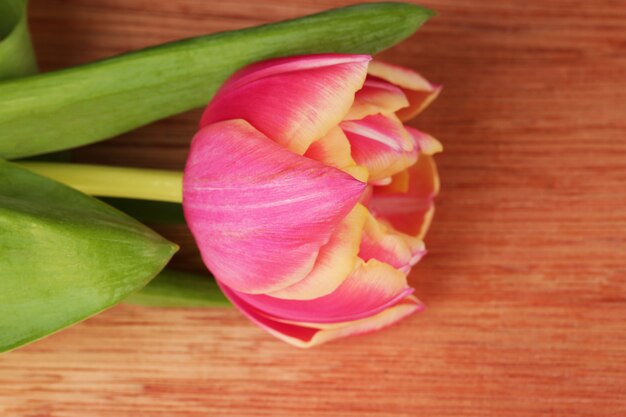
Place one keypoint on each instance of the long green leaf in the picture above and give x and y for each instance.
(64, 109)
(16, 52)
(65, 256)
(180, 289)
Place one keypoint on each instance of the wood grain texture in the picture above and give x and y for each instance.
(525, 280)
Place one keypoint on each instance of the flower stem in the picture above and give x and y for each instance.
(108, 181)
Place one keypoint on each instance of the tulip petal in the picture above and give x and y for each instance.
(426, 143)
(366, 197)
(382, 144)
(305, 336)
(335, 262)
(419, 91)
(293, 101)
(334, 150)
(260, 213)
(333, 326)
(376, 97)
(386, 245)
(399, 183)
(410, 212)
(372, 287)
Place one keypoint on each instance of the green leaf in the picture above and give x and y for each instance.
(65, 256)
(16, 51)
(80, 105)
(180, 289)
(152, 212)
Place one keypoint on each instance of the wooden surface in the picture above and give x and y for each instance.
(525, 280)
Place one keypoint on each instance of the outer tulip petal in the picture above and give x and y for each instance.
(369, 289)
(419, 91)
(293, 101)
(382, 144)
(334, 150)
(410, 212)
(335, 262)
(376, 97)
(260, 213)
(386, 245)
(304, 336)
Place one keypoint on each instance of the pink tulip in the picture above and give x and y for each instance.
(309, 198)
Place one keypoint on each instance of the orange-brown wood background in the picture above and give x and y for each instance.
(525, 280)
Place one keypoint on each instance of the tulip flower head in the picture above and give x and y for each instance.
(308, 197)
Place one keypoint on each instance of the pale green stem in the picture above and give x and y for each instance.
(108, 181)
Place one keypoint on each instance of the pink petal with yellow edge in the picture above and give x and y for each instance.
(419, 100)
(410, 212)
(426, 143)
(260, 213)
(335, 262)
(370, 288)
(376, 97)
(400, 182)
(330, 326)
(304, 336)
(418, 90)
(381, 144)
(386, 245)
(293, 101)
(334, 149)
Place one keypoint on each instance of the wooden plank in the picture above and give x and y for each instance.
(525, 276)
